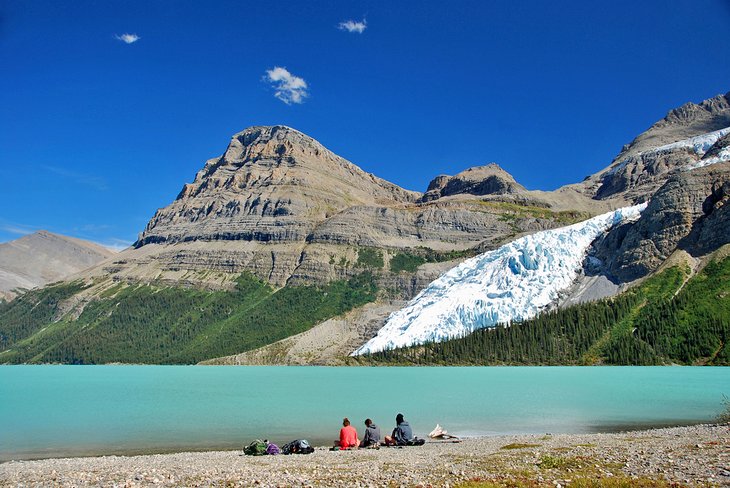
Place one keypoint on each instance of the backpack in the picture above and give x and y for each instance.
(256, 448)
(416, 442)
(299, 446)
(272, 449)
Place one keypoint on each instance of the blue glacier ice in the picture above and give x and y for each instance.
(511, 283)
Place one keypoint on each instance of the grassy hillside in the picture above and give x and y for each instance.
(148, 324)
(659, 322)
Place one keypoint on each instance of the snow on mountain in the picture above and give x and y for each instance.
(699, 144)
(722, 155)
(511, 283)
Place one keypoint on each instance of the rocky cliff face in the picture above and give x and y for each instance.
(479, 181)
(688, 213)
(271, 184)
(279, 204)
(644, 165)
(42, 257)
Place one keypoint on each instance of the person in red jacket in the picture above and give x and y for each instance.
(348, 435)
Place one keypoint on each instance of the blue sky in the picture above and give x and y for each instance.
(97, 133)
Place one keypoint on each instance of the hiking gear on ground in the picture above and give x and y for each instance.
(299, 446)
(256, 448)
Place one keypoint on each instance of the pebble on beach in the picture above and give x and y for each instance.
(695, 455)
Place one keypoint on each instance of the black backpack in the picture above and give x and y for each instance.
(299, 446)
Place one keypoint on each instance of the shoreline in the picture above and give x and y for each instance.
(619, 428)
(690, 455)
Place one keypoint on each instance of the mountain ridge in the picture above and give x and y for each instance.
(281, 207)
(44, 257)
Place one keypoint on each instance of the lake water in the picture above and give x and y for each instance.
(52, 411)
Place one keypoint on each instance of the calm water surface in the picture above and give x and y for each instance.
(51, 411)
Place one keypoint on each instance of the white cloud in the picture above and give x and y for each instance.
(289, 88)
(113, 244)
(352, 26)
(128, 38)
(20, 229)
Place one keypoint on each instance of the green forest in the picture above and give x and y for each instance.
(666, 320)
(168, 325)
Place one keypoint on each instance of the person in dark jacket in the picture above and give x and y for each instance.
(402, 433)
(372, 434)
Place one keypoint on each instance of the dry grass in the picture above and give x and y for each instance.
(517, 445)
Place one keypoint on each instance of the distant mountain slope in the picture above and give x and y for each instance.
(43, 257)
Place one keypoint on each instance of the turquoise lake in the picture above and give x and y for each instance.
(52, 411)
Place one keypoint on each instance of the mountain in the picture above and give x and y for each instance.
(42, 257)
(681, 138)
(482, 180)
(280, 205)
(280, 251)
(273, 237)
(685, 215)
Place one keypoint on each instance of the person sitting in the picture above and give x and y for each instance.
(348, 435)
(372, 434)
(402, 433)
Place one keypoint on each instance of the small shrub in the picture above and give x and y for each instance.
(405, 262)
(369, 258)
(518, 445)
(551, 462)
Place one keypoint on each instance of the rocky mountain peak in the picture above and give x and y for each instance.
(690, 112)
(271, 183)
(490, 179)
(688, 120)
(679, 140)
(269, 146)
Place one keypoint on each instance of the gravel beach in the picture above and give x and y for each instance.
(692, 456)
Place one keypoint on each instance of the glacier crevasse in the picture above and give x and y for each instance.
(511, 283)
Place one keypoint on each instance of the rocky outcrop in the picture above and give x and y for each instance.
(41, 258)
(478, 181)
(273, 184)
(642, 174)
(280, 205)
(689, 120)
(643, 165)
(689, 212)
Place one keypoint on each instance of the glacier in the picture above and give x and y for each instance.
(698, 144)
(511, 283)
